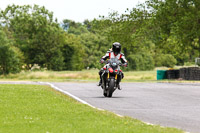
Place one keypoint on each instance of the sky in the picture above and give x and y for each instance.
(77, 10)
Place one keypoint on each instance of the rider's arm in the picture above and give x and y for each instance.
(105, 57)
(123, 60)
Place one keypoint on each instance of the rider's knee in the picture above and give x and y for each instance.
(122, 75)
(100, 71)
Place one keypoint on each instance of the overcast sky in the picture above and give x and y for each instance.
(77, 10)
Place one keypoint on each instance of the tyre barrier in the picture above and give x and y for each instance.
(190, 73)
(173, 74)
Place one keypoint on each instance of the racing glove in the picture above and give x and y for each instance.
(101, 61)
(125, 64)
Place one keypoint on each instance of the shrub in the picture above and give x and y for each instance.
(141, 61)
(167, 60)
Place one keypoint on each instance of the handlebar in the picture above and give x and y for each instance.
(108, 61)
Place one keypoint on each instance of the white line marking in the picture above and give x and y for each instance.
(69, 94)
(76, 98)
(119, 115)
(148, 123)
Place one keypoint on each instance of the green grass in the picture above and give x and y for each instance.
(40, 109)
(58, 76)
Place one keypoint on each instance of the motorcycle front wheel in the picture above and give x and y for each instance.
(111, 88)
(105, 93)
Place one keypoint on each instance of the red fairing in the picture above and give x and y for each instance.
(110, 70)
(104, 68)
(116, 70)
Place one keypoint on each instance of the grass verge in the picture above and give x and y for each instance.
(85, 75)
(35, 109)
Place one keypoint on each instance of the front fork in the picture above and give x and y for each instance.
(108, 78)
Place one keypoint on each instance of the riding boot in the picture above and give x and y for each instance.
(118, 82)
(119, 87)
(100, 82)
(100, 73)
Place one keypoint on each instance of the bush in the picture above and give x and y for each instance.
(10, 60)
(167, 60)
(142, 61)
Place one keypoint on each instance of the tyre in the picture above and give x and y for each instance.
(111, 88)
(104, 88)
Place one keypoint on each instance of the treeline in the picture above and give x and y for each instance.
(156, 33)
(30, 35)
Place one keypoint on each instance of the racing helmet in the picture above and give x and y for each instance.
(116, 47)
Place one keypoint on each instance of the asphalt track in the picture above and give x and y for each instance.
(166, 104)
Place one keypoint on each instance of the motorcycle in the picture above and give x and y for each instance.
(110, 76)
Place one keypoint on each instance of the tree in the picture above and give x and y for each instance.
(178, 21)
(73, 53)
(73, 27)
(95, 47)
(11, 58)
(91, 46)
(37, 35)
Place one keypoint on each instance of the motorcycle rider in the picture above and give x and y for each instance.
(115, 52)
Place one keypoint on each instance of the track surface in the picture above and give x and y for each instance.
(166, 104)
